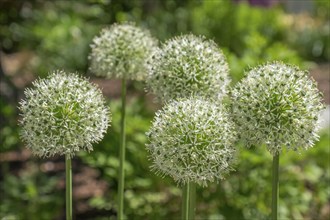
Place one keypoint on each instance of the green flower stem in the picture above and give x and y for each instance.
(122, 153)
(275, 186)
(189, 201)
(68, 178)
(192, 198)
(185, 201)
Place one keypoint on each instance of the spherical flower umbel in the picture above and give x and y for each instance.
(277, 105)
(62, 115)
(120, 51)
(192, 140)
(188, 65)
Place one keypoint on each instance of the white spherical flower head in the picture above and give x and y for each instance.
(192, 140)
(188, 65)
(121, 51)
(277, 105)
(63, 114)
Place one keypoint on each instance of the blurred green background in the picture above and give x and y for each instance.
(39, 36)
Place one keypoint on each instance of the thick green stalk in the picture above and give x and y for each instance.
(122, 153)
(185, 201)
(68, 187)
(192, 200)
(275, 186)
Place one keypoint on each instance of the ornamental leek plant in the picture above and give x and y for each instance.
(62, 115)
(187, 66)
(277, 105)
(192, 140)
(121, 51)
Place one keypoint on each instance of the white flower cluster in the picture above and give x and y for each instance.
(188, 65)
(277, 105)
(192, 140)
(121, 51)
(63, 114)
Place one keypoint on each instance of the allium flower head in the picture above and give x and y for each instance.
(192, 140)
(121, 51)
(63, 114)
(188, 65)
(277, 105)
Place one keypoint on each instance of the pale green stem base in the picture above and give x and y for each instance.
(185, 202)
(188, 201)
(192, 202)
(68, 187)
(121, 180)
(275, 187)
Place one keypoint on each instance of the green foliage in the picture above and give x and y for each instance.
(9, 130)
(231, 23)
(322, 9)
(257, 47)
(245, 194)
(249, 35)
(59, 33)
(312, 41)
(309, 34)
(302, 177)
(29, 194)
(144, 195)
